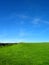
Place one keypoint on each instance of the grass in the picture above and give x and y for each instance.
(25, 54)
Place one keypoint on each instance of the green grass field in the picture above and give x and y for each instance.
(25, 54)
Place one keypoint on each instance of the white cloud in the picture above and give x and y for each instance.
(36, 21)
(22, 34)
(46, 22)
(22, 16)
(15, 40)
(22, 22)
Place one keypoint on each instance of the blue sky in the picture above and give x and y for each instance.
(24, 20)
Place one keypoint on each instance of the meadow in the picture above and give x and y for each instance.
(25, 54)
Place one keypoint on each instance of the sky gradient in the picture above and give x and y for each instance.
(24, 20)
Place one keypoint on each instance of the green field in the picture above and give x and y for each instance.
(25, 54)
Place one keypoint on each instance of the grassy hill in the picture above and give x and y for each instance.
(25, 54)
